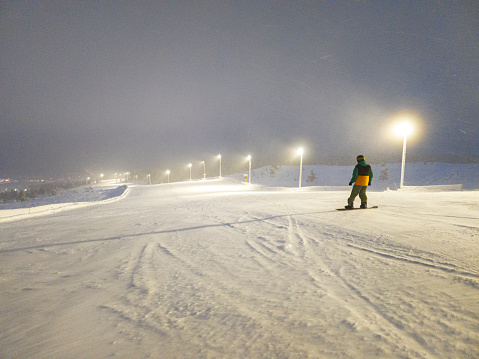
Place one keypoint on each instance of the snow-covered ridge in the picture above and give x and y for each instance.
(68, 199)
(386, 175)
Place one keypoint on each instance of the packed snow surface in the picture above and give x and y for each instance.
(222, 269)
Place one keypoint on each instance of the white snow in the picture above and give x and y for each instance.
(222, 269)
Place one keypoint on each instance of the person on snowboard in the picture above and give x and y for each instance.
(362, 177)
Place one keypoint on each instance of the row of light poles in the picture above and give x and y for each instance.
(403, 129)
(204, 169)
(249, 168)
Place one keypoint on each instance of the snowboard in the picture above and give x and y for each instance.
(344, 209)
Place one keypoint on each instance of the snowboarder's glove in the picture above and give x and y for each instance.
(369, 184)
(350, 183)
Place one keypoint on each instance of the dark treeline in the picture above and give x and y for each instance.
(41, 190)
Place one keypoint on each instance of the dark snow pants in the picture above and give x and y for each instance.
(361, 190)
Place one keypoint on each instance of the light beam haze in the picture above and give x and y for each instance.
(120, 84)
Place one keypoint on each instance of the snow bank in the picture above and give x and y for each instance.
(68, 199)
(437, 188)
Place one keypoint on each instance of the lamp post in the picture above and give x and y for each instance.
(168, 173)
(300, 151)
(149, 178)
(403, 129)
(204, 170)
(189, 165)
(219, 157)
(249, 172)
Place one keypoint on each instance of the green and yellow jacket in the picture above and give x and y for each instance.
(362, 174)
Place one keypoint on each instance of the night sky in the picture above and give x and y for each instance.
(123, 85)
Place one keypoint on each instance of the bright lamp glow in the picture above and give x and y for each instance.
(300, 151)
(404, 129)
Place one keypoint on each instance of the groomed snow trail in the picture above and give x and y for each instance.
(217, 269)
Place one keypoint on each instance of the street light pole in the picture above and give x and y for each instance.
(189, 165)
(403, 129)
(219, 157)
(249, 172)
(403, 163)
(300, 151)
(168, 173)
(204, 170)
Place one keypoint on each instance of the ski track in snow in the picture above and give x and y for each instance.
(215, 270)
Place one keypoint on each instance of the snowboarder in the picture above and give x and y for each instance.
(362, 176)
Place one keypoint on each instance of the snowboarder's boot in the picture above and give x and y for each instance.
(349, 206)
(364, 205)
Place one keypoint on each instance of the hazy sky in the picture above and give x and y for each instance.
(154, 84)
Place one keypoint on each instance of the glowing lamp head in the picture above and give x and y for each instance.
(300, 151)
(403, 129)
(249, 157)
(219, 156)
(168, 172)
(189, 165)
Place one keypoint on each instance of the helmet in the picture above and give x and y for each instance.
(360, 158)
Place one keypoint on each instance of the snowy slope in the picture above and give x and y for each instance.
(220, 269)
